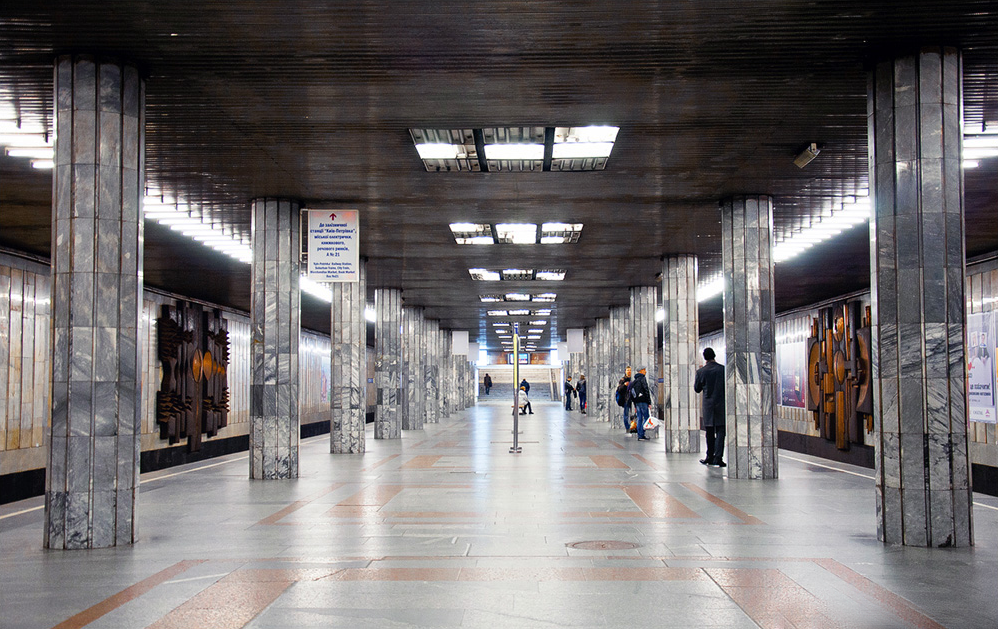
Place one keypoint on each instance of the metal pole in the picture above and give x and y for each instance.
(515, 449)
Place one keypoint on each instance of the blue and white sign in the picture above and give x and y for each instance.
(334, 245)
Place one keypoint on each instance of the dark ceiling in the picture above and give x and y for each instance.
(314, 101)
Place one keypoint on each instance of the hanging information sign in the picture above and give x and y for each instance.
(333, 245)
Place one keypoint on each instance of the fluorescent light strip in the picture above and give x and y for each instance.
(529, 152)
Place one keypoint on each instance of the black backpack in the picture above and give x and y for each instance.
(622, 395)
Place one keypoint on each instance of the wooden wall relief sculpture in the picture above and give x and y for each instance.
(193, 397)
(839, 374)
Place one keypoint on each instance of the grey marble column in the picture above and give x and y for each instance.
(414, 393)
(275, 330)
(917, 284)
(644, 303)
(607, 379)
(387, 363)
(348, 335)
(431, 370)
(619, 347)
(680, 359)
(93, 472)
(747, 246)
(444, 379)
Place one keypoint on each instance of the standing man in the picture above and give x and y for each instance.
(710, 381)
(622, 396)
(581, 389)
(642, 398)
(525, 386)
(487, 383)
(569, 392)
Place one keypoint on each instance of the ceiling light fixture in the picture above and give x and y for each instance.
(517, 233)
(484, 275)
(528, 152)
(554, 276)
(437, 151)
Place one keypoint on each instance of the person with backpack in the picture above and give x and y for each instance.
(641, 394)
(623, 399)
(487, 383)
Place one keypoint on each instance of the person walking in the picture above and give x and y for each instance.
(569, 392)
(710, 381)
(622, 396)
(487, 383)
(581, 390)
(642, 398)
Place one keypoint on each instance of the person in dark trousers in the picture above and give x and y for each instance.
(525, 408)
(710, 381)
(487, 383)
(569, 392)
(525, 385)
(581, 390)
(622, 396)
(641, 395)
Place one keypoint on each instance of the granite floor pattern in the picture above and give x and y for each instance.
(446, 528)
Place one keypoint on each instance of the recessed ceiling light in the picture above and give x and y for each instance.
(490, 298)
(560, 233)
(539, 322)
(555, 276)
(582, 150)
(545, 297)
(484, 275)
(517, 297)
(497, 313)
(544, 312)
(535, 331)
(517, 233)
(500, 323)
(437, 151)
(592, 133)
(518, 313)
(517, 274)
(529, 152)
(472, 233)
(533, 337)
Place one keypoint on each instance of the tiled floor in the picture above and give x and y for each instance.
(445, 528)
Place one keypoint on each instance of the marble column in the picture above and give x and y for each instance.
(414, 393)
(607, 379)
(275, 331)
(619, 351)
(348, 335)
(644, 303)
(387, 363)
(93, 471)
(917, 285)
(431, 371)
(747, 246)
(680, 359)
(444, 379)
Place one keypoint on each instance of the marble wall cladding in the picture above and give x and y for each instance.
(680, 358)
(96, 299)
(747, 245)
(644, 330)
(917, 288)
(274, 332)
(413, 369)
(431, 370)
(348, 336)
(606, 383)
(388, 363)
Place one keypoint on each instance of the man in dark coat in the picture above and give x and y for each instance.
(581, 390)
(525, 385)
(487, 383)
(641, 395)
(569, 392)
(710, 381)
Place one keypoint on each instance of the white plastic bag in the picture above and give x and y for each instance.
(652, 423)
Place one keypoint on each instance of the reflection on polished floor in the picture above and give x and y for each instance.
(444, 528)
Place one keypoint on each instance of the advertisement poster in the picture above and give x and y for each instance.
(790, 365)
(980, 368)
(333, 246)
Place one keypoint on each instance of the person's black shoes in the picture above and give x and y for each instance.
(642, 438)
(703, 461)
